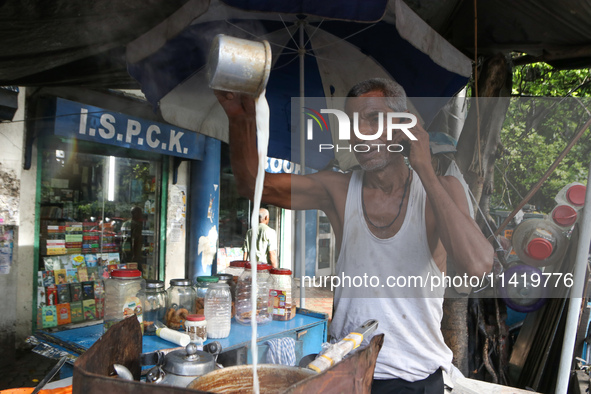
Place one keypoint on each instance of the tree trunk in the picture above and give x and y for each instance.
(489, 155)
(475, 157)
(476, 150)
(454, 327)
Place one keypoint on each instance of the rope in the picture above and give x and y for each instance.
(476, 84)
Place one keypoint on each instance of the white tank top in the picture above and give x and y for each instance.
(411, 321)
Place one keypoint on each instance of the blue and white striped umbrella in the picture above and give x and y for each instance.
(343, 42)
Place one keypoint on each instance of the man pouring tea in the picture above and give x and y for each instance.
(389, 219)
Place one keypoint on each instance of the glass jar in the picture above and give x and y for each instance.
(155, 305)
(229, 280)
(201, 286)
(282, 294)
(236, 269)
(125, 295)
(180, 302)
(264, 310)
(196, 329)
(218, 310)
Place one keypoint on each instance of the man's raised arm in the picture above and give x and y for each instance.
(459, 234)
(282, 190)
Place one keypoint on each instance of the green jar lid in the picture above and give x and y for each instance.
(209, 279)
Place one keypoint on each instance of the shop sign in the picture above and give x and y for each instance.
(85, 122)
(280, 166)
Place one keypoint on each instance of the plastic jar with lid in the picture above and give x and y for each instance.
(196, 328)
(218, 310)
(282, 294)
(572, 194)
(236, 268)
(201, 285)
(264, 310)
(229, 280)
(125, 295)
(155, 305)
(180, 302)
(564, 216)
(539, 242)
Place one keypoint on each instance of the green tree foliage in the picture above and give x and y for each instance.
(548, 107)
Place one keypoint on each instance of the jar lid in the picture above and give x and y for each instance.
(126, 273)
(225, 277)
(260, 266)
(280, 271)
(539, 248)
(180, 282)
(198, 317)
(564, 215)
(238, 263)
(209, 279)
(219, 285)
(576, 195)
(154, 284)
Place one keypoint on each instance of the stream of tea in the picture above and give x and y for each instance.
(262, 124)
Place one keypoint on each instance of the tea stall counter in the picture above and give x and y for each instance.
(307, 328)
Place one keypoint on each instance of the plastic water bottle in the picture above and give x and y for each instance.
(218, 310)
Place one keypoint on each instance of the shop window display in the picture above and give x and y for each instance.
(97, 213)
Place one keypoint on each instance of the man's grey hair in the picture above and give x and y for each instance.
(263, 214)
(394, 93)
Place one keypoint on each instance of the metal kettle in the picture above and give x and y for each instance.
(181, 367)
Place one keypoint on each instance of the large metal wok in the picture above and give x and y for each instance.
(238, 379)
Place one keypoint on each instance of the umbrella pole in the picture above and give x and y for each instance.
(576, 292)
(302, 227)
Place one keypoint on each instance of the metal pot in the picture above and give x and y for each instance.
(181, 367)
(272, 379)
(239, 65)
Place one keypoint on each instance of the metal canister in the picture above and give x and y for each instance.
(239, 65)
(181, 367)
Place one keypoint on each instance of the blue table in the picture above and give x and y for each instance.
(309, 329)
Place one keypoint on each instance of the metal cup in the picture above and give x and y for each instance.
(239, 65)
